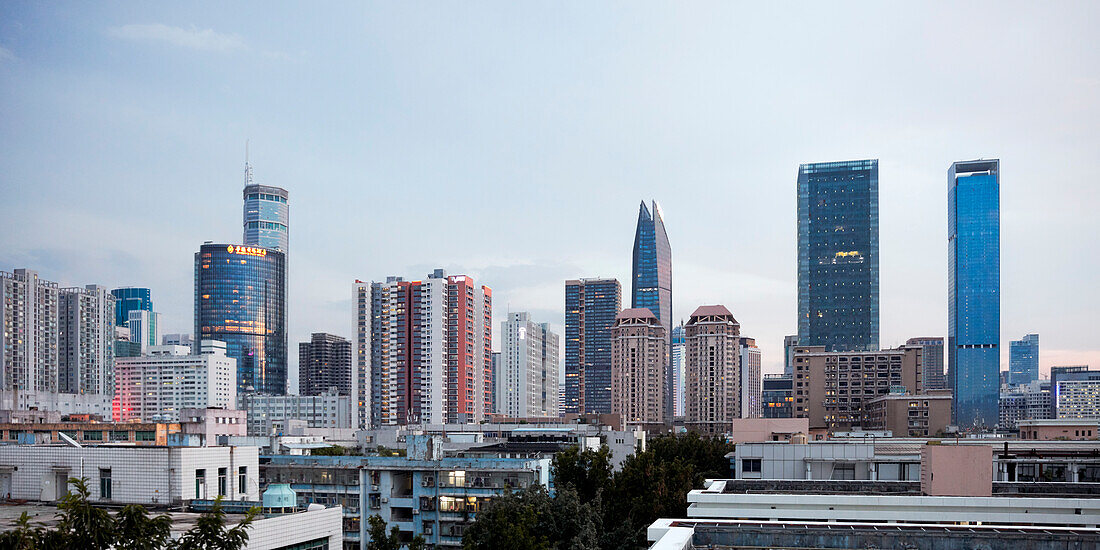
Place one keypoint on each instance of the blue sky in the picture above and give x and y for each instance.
(513, 142)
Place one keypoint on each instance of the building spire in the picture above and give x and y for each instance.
(247, 166)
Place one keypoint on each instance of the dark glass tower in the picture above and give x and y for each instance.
(1023, 360)
(240, 299)
(651, 281)
(129, 299)
(974, 291)
(838, 255)
(324, 363)
(590, 309)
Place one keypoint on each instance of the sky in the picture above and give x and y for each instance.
(513, 142)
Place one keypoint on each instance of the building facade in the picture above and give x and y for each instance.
(364, 324)
(639, 352)
(29, 336)
(240, 299)
(838, 255)
(144, 328)
(157, 386)
(527, 383)
(590, 309)
(1075, 392)
(932, 376)
(777, 399)
(266, 215)
(833, 389)
(1023, 360)
(910, 415)
(974, 291)
(678, 355)
(430, 350)
(789, 343)
(1027, 402)
(713, 379)
(269, 414)
(651, 281)
(751, 384)
(129, 299)
(324, 363)
(86, 336)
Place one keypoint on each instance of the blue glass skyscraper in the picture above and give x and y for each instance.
(266, 215)
(974, 291)
(1023, 360)
(838, 255)
(590, 309)
(651, 280)
(129, 299)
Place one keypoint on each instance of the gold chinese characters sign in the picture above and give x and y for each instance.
(246, 250)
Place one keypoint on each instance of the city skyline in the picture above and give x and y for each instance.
(190, 143)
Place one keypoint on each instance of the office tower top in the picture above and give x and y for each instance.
(324, 363)
(266, 214)
(974, 291)
(129, 299)
(1023, 360)
(838, 257)
(590, 309)
(651, 282)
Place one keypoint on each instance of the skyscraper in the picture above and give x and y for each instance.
(639, 358)
(324, 363)
(651, 280)
(144, 327)
(974, 291)
(129, 299)
(713, 373)
(266, 214)
(751, 390)
(789, 343)
(527, 382)
(590, 309)
(678, 354)
(838, 255)
(86, 338)
(28, 334)
(364, 321)
(1023, 360)
(240, 299)
(932, 377)
(430, 354)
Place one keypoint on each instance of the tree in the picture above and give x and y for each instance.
(331, 450)
(378, 538)
(135, 530)
(510, 521)
(24, 536)
(588, 471)
(209, 533)
(82, 525)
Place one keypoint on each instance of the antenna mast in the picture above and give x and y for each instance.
(247, 166)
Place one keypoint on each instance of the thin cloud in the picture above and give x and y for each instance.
(193, 38)
(6, 54)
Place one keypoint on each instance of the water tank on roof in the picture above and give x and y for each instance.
(280, 497)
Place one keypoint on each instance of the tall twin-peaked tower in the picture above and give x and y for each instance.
(974, 291)
(651, 284)
(838, 255)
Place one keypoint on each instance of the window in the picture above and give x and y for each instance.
(105, 484)
(200, 484)
(844, 471)
(751, 465)
(242, 480)
(223, 481)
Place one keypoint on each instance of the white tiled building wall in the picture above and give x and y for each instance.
(283, 531)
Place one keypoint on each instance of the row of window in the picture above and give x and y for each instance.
(267, 197)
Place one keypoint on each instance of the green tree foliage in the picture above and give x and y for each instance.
(209, 532)
(135, 530)
(379, 540)
(595, 509)
(331, 450)
(81, 524)
(25, 536)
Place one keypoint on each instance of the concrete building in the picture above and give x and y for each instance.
(419, 372)
(777, 399)
(789, 343)
(1028, 402)
(1075, 392)
(590, 309)
(44, 431)
(268, 414)
(751, 390)
(1023, 360)
(678, 356)
(1072, 429)
(131, 475)
(527, 379)
(639, 357)
(86, 335)
(832, 388)
(213, 426)
(361, 379)
(156, 387)
(910, 415)
(28, 307)
(931, 357)
(713, 378)
(324, 363)
(754, 430)
(144, 327)
(177, 339)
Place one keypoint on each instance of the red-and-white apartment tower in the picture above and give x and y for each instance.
(430, 344)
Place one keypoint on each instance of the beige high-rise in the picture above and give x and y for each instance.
(639, 353)
(713, 370)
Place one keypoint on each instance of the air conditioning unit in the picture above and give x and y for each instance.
(373, 487)
(428, 481)
(385, 499)
(416, 511)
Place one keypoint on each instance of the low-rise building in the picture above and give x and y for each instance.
(91, 433)
(157, 386)
(267, 414)
(749, 430)
(910, 415)
(1059, 429)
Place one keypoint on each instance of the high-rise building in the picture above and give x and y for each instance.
(678, 355)
(144, 328)
(590, 309)
(129, 299)
(639, 356)
(86, 336)
(528, 369)
(974, 291)
(240, 299)
(364, 321)
(751, 390)
(833, 389)
(1030, 401)
(496, 382)
(932, 376)
(1074, 392)
(838, 278)
(157, 386)
(1023, 360)
(123, 346)
(430, 350)
(266, 215)
(778, 398)
(29, 335)
(789, 343)
(324, 363)
(651, 281)
(713, 370)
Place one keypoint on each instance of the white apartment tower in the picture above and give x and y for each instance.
(156, 387)
(86, 334)
(527, 383)
(713, 370)
(28, 334)
(751, 382)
